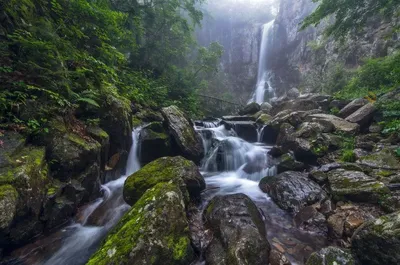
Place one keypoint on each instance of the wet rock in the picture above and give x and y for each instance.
(58, 211)
(293, 93)
(309, 219)
(331, 256)
(292, 190)
(250, 109)
(352, 107)
(243, 129)
(266, 107)
(295, 105)
(378, 242)
(275, 151)
(384, 159)
(363, 116)
(288, 163)
(238, 118)
(104, 139)
(338, 124)
(12, 143)
(8, 206)
(278, 258)
(154, 143)
(263, 119)
(239, 232)
(312, 129)
(188, 141)
(154, 231)
(177, 169)
(355, 186)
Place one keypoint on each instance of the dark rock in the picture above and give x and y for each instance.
(309, 219)
(239, 232)
(245, 130)
(250, 109)
(352, 107)
(363, 116)
(355, 186)
(292, 190)
(384, 159)
(177, 169)
(278, 258)
(288, 163)
(331, 256)
(295, 105)
(238, 118)
(377, 242)
(338, 124)
(154, 231)
(154, 143)
(188, 141)
(293, 93)
(12, 143)
(275, 151)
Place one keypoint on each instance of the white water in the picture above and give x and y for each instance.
(264, 76)
(83, 238)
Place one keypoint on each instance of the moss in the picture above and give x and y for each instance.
(81, 142)
(348, 156)
(7, 191)
(384, 159)
(136, 122)
(154, 231)
(385, 173)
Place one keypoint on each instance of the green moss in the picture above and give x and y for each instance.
(348, 156)
(385, 173)
(8, 191)
(136, 122)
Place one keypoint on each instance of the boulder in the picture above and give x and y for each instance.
(188, 142)
(266, 107)
(331, 256)
(339, 104)
(12, 142)
(244, 129)
(176, 169)
(384, 159)
(352, 107)
(250, 109)
(295, 105)
(154, 143)
(278, 258)
(8, 205)
(309, 219)
(288, 163)
(292, 190)
(154, 231)
(293, 93)
(239, 236)
(263, 119)
(338, 124)
(377, 242)
(363, 116)
(355, 186)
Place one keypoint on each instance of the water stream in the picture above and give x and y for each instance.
(264, 76)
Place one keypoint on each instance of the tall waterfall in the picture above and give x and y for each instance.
(264, 76)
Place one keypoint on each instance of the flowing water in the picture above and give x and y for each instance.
(74, 244)
(264, 76)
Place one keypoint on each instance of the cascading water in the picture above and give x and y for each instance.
(80, 240)
(264, 76)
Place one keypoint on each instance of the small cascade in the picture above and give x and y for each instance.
(264, 76)
(260, 133)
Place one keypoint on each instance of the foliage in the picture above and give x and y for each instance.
(348, 156)
(349, 14)
(347, 148)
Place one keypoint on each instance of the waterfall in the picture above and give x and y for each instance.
(264, 76)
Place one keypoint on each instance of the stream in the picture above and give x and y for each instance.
(231, 166)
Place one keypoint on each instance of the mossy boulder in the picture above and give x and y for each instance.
(384, 159)
(154, 231)
(338, 124)
(331, 256)
(287, 162)
(176, 169)
(188, 143)
(378, 242)
(263, 119)
(294, 105)
(355, 186)
(292, 191)
(8, 205)
(250, 109)
(239, 236)
(155, 142)
(12, 142)
(103, 138)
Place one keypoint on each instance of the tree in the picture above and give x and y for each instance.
(350, 14)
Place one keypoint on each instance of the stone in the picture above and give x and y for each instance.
(377, 242)
(250, 109)
(243, 129)
(12, 143)
(154, 143)
(154, 231)
(295, 105)
(384, 159)
(292, 191)
(352, 107)
(339, 124)
(278, 258)
(188, 142)
(8, 206)
(355, 186)
(331, 256)
(309, 219)
(239, 235)
(176, 169)
(293, 93)
(238, 118)
(363, 116)
(263, 119)
(288, 163)
(339, 104)
(266, 107)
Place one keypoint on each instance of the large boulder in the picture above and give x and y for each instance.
(266, 107)
(378, 242)
(331, 121)
(246, 130)
(239, 236)
(355, 186)
(154, 143)
(384, 159)
(154, 231)
(188, 142)
(287, 162)
(292, 190)
(293, 93)
(352, 107)
(331, 256)
(250, 109)
(176, 169)
(363, 116)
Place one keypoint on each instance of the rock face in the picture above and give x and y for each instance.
(187, 140)
(154, 137)
(292, 190)
(331, 256)
(239, 232)
(176, 169)
(378, 242)
(154, 231)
